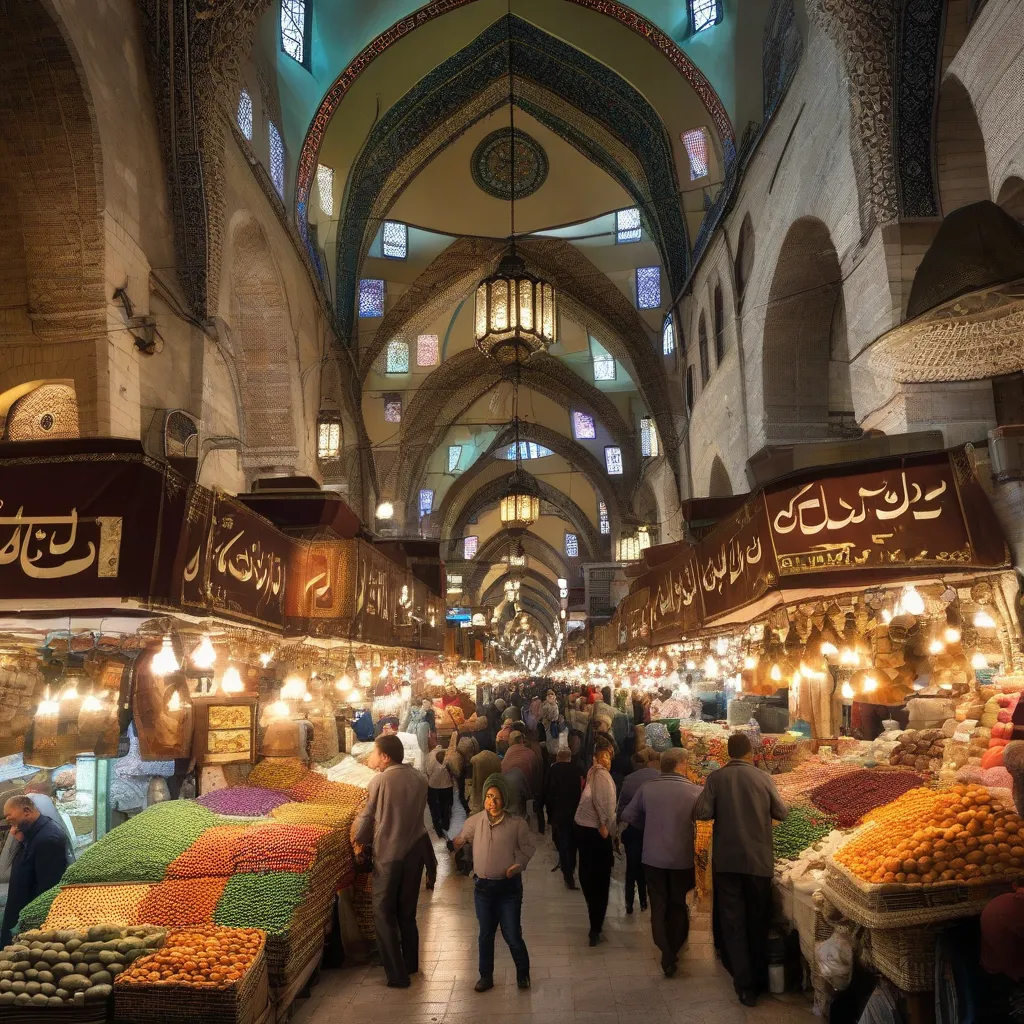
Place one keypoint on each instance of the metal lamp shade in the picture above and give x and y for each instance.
(515, 313)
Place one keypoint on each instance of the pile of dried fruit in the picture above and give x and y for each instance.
(58, 967)
(243, 801)
(281, 848)
(261, 901)
(921, 749)
(211, 854)
(802, 828)
(277, 773)
(850, 796)
(960, 834)
(331, 815)
(205, 956)
(178, 902)
(83, 906)
(316, 788)
(810, 775)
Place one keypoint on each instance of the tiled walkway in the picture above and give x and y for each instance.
(618, 982)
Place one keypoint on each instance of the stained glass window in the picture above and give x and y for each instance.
(426, 501)
(427, 350)
(649, 445)
(648, 287)
(245, 113)
(325, 188)
(613, 460)
(293, 29)
(469, 546)
(604, 366)
(392, 408)
(454, 584)
(668, 337)
(454, 455)
(704, 14)
(527, 450)
(371, 297)
(583, 426)
(572, 545)
(602, 517)
(276, 158)
(627, 225)
(398, 356)
(394, 240)
(696, 142)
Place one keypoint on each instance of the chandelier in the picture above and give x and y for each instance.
(515, 311)
(520, 506)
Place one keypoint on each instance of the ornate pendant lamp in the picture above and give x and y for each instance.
(515, 311)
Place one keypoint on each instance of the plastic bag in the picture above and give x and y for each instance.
(835, 960)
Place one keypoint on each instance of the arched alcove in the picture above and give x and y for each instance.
(960, 149)
(719, 484)
(744, 263)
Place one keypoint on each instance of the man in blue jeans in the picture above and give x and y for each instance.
(502, 847)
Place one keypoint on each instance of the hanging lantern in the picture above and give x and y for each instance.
(520, 507)
(204, 656)
(515, 313)
(165, 662)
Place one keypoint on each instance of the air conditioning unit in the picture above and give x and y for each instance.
(1006, 452)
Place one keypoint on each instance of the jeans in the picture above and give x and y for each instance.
(633, 844)
(499, 901)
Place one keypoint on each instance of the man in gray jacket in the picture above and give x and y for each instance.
(742, 801)
(392, 821)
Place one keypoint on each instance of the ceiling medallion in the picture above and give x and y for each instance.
(492, 166)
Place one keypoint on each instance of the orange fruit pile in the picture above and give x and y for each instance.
(211, 854)
(961, 834)
(182, 901)
(205, 956)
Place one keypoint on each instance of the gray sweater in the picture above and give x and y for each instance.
(392, 819)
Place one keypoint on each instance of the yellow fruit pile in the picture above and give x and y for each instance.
(80, 906)
(961, 834)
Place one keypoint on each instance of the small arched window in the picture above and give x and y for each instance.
(744, 257)
(702, 345)
(245, 114)
(719, 326)
(689, 390)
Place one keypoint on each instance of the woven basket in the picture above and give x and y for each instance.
(167, 1004)
(906, 956)
(898, 906)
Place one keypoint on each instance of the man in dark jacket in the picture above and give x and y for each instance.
(646, 767)
(39, 862)
(562, 791)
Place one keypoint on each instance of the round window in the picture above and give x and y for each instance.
(46, 421)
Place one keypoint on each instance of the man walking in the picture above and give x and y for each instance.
(663, 812)
(562, 792)
(392, 821)
(645, 768)
(742, 801)
(39, 859)
(440, 793)
(502, 847)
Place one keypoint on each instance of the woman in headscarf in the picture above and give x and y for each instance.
(481, 766)
(595, 823)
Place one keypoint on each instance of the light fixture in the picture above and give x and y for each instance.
(385, 510)
(982, 620)
(48, 707)
(911, 601)
(936, 646)
(721, 647)
(266, 658)
(775, 674)
(847, 691)
(174, 704)
(294, 688)
(870, 684)
(279, 709)
(231, 681)
(515, 311)
(710, 666)
(520, 506)
(749, 663)
(951, 634)
(92, 703)
(978, 661)
(164, 662)
(204, 655)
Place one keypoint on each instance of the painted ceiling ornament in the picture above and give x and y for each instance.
(492, 165)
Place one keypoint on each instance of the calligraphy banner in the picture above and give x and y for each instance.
(675, 607)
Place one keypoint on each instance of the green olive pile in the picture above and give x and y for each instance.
(266, 901)
(61, 968)
(802, 828)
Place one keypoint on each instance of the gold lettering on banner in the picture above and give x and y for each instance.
(33, 537)
(249, 563)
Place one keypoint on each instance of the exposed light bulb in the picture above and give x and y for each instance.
(690, 665)
(828, 649)
(164, 661)
(978, 661)
(982, 620)
(204, 655)
(887, 615)
(936, 647)
(847, 692)
(912, 601)
(92, 703)
(174, 704)
(385, 510)
(951, 635)
(307, 697)
(749, 662)
(47, 706)
(266, 658)
(776, 674)
(849, 657)
(721, 646)
(279, 709)
(70, 691)
(870, 684)
(231, 681)
(294, 688)
(710, 666)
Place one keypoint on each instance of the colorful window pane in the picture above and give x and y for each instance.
(704, 14)
(325, 188)
(583, 426)
(427, 350)
(398, 356)
(613, 460)
(668, 337)
(276, 158)
(602, 518)
(469, 546)
(572, 545)
(394, 240)
(649, 445)
(627, 225)
(371, 297)
(648, 287)
(604, 367)
(245, 114)
(697, 146)
(293, 29)
(426, 501)
(454, 456)
(392, 408)
(527, 450)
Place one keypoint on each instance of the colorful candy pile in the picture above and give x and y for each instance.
(244, 801)
(850, 796)
(277, 773)
(801, 829)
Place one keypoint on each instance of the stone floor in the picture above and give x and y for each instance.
(617, 982)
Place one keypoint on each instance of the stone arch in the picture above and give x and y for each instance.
(1011, 198)
(744, 264)
(533, 582)
(960, 149)
(265, 351)
(805, 361)
(719, 484)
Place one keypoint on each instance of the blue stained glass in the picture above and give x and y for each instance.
(469, 546)
(648, 287)
(293, 29)
(705, 13)
(426, 501)
(572, 545)
(276, 158)
(668, 337)
(613, 460)
(454, 455)
(627, 225)
(583, 426)
(602, 517)
(527, 450)
(245, 113)
(371, 297)
(398, 356)
(394, 240)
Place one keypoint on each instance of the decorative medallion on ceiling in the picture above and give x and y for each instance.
(491, 164)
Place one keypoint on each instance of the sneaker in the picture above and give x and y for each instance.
(748, 997)
(483, 985)
(523, 981)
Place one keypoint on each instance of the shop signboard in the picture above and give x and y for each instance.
(674, 590)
